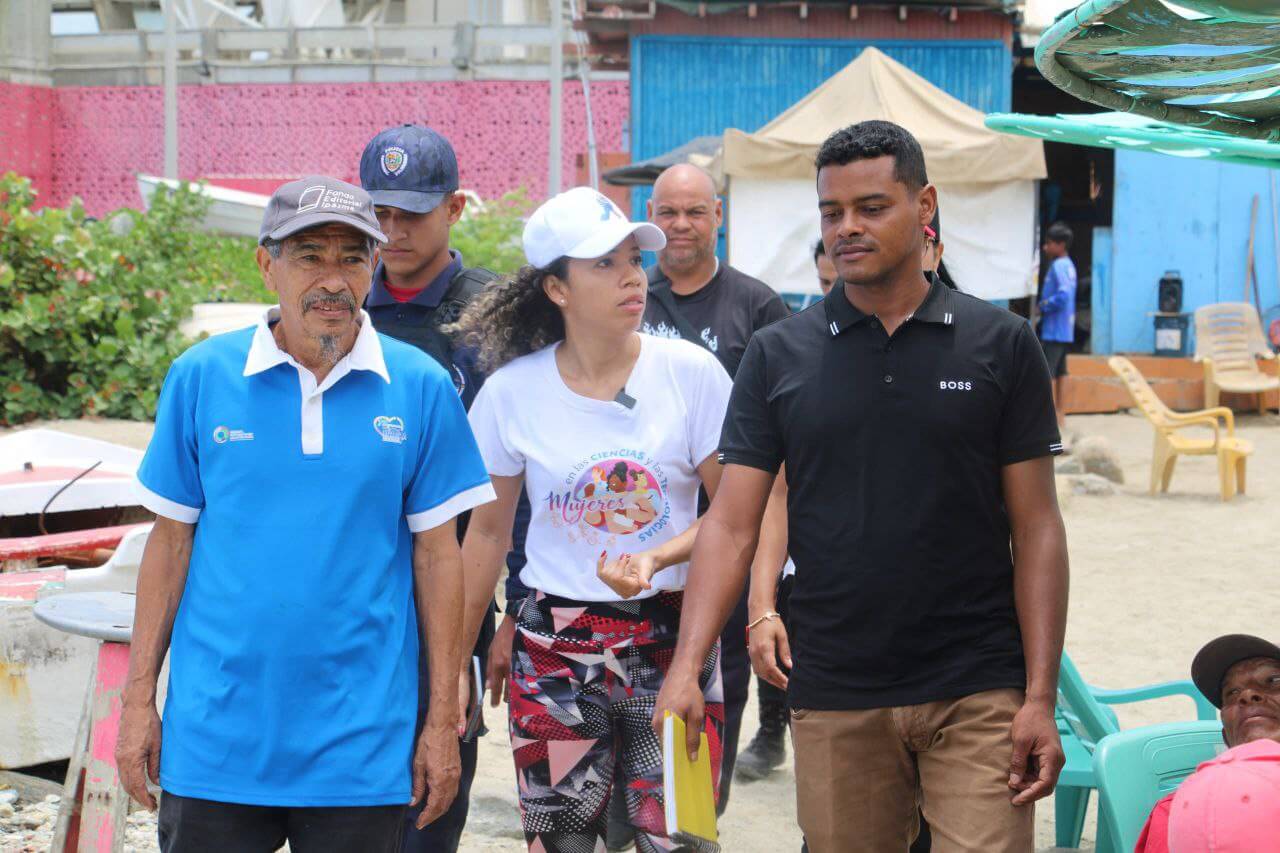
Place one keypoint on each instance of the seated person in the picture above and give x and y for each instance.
(1239, 674)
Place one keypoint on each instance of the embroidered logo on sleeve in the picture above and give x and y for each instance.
(391, 429)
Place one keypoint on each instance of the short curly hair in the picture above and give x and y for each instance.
(867, 140)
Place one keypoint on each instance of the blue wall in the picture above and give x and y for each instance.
(1187, 215)
(688, 86)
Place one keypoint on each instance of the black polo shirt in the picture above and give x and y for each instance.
(894, 448)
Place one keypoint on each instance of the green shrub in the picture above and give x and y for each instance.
(89, 310)
(490, 237)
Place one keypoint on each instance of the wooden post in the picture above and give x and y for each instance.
(94, 807)
(66, 831)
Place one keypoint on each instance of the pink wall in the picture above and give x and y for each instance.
(26, 131)
(253, 135)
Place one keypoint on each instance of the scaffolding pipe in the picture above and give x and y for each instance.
(555, 147)
(584, 73)
(170, 90)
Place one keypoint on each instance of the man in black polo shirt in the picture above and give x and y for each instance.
(694, 296)
(917, 428)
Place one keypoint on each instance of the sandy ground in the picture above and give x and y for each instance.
(1153, 578)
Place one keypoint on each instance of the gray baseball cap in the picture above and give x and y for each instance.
(317, 200)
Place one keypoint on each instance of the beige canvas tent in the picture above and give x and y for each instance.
(986, 180)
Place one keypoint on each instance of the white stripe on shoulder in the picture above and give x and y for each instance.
(452, 508)
(161, 505)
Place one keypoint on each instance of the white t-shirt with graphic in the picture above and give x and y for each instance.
(602, 476)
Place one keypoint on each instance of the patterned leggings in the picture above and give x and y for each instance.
(584, 683)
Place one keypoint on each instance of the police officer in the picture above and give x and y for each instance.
(420, 285)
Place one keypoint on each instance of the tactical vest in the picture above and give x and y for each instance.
(421, 326)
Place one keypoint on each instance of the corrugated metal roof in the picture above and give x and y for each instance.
(685, 87)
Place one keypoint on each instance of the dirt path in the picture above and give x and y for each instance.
(1153, 578)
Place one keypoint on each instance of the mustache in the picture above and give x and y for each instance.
(847, 244)
(328, 301)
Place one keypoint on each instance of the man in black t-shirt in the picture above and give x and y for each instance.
(692, 293)
(917, 429)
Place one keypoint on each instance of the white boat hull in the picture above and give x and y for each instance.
(230, 211)
(44, 673)
(36, 463)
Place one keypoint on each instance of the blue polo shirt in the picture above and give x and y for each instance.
(293, 660)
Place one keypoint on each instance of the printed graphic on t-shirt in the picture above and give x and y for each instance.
(612, 494)
(662, 330)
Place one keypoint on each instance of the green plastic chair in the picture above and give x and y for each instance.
(1138, 767)
(1084, 719)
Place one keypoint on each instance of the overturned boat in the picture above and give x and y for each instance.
(69, 522)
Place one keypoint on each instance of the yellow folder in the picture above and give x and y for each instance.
(687, 790)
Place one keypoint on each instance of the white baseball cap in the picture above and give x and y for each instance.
(582, 223)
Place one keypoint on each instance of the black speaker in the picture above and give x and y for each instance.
(1170, 293)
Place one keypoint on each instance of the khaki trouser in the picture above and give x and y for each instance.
(861, 775)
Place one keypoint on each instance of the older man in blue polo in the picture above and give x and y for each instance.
(305, 474)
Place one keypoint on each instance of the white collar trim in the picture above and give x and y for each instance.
(365, 354)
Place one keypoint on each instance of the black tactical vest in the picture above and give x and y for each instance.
(421, 327)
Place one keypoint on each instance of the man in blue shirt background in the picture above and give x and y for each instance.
(305, 474)
(1058, 308)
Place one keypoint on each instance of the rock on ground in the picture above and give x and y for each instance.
(28, 828)
(1096, 455)
(1089, 484)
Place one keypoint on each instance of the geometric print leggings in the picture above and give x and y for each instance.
(584, 683)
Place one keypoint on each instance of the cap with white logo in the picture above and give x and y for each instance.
(317, 200)
(409, 167)
(582, 223)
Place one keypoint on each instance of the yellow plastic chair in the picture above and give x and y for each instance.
(1169, 444)
(1229, 342)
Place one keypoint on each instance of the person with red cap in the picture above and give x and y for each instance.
(1229, 801)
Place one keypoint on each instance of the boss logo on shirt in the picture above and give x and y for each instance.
(955, 385)
(221, 435)
(391, 429)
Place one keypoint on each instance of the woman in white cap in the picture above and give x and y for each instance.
(611, 433)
